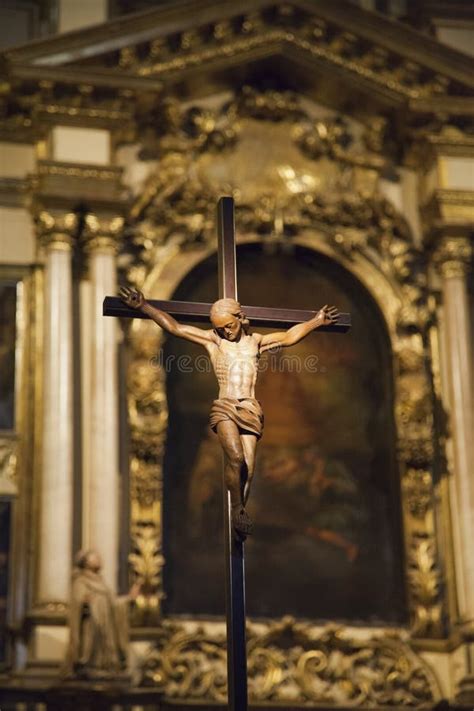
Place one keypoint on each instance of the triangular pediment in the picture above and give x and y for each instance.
(178, 39)
(335, 53)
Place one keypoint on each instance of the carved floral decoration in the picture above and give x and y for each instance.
(291, 663)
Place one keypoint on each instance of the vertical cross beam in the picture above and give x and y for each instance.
(235, 560)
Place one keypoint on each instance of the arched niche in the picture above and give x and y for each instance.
(326, 500)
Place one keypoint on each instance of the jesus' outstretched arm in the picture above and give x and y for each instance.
(325, 317)
(135, 300)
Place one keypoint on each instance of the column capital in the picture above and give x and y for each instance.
(56, 230)
(452, 257)
(102, 234)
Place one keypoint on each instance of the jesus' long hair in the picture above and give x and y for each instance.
(229, 307)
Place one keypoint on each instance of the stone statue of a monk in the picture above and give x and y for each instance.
(236, 416)
(98, 622)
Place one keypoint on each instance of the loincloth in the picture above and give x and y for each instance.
(247, 414)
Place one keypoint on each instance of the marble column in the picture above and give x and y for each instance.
(56, 487)
(452, 259)
(102, 485)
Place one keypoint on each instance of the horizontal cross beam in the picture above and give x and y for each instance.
(191, 311)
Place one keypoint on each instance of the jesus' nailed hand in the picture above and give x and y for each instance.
(236, 416)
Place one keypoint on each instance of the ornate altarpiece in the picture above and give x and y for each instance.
(315, 186)
(302, 114)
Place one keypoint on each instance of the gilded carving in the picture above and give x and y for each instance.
(416, 435)
(147, 400)
(145, 478)
(268, 105)
(418, 489)
(147, 564)
(178, 203)
(453, 257)
(102, 234)
(285, 26)
(333, 138)
(410, 353)
(31, 96)
(413, 405)
(222, 30)
(26, 112)
(56, 230)
(128, 58)
(416, 447)
(292, 663)
(8, 467)
(170, 128)
(425, 586)
(148, 417)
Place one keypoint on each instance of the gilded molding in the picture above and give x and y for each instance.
(85, 172)
(49, 612)
(13, 192)
(174, 20)
(453, 270)
(100, 188)
(291, 28)
(456, 205)
(439, 136)
(452, 141)
(91, 113)
(26, 116)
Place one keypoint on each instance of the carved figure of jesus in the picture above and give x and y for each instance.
(236, 416)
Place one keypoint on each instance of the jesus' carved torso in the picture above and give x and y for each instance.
(235, 364)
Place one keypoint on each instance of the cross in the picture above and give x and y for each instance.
(234, 548)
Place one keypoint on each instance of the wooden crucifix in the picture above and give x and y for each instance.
(236, 416)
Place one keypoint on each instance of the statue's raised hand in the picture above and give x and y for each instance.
(132, 297)
(327, 315)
